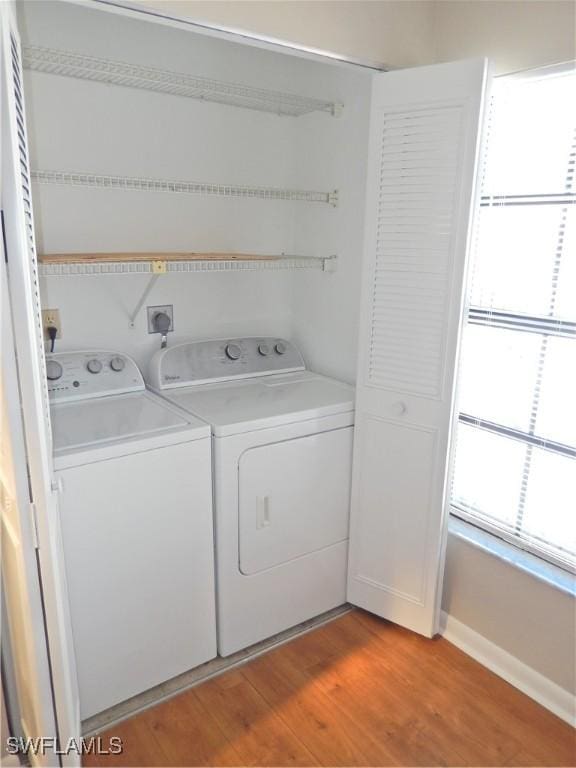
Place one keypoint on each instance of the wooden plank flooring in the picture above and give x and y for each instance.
(358, 691)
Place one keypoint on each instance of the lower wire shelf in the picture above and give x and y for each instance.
(160, 266)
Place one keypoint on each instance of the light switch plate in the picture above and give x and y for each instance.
(167, 309)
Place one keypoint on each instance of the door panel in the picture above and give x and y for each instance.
(21, 588)
(294, 498)
(32, 405)
(385, 485)
(424, 141)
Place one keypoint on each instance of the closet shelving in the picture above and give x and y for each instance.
(142, 184)
(156, 264)
(77, 65)
(84, 67)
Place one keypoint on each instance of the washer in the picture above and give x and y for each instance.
(282, 446)
(135, 503)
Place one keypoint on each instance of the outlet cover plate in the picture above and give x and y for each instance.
(51, 317)
(168, 309)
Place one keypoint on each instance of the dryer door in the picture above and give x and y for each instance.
(293, 498)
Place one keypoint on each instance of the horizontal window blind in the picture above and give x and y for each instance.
(515, 465)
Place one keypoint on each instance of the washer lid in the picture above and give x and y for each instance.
(268, 401)
(110, 420)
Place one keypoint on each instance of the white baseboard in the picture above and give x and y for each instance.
(520, 675)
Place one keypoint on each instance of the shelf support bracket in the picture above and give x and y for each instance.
(329, 263)
(151, 283)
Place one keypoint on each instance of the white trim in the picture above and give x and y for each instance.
(547, 693)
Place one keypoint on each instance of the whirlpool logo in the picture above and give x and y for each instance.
(167, 377)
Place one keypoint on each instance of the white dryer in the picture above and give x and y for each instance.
(135, 503)
(282, 446)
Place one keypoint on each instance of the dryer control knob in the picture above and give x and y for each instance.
(280, 347)
(117, 364)
(264, 349)
(94, 366)
(53, 370)
(233, 351)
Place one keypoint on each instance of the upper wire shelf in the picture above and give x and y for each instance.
(139, 184)
(77, 65)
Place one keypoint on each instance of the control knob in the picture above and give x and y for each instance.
(263, 349)
(280, 347)
(117, 364)
(53, 370)
(94, 365)
(233, 351)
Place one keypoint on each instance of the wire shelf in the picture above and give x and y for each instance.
(68, 64)
(148, 267)
(137, 184)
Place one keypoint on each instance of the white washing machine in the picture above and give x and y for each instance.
(282, 446)
(135, 502)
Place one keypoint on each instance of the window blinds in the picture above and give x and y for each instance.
(515, 467)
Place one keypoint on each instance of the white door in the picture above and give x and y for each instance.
(423, 155)
(27, 394)
(24, 630)
(294, 498)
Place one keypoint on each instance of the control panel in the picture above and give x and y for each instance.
(91, 373)
(203, 362)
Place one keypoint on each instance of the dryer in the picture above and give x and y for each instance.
(135, 504)
(282, 447)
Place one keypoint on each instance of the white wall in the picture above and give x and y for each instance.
(394, 32)
(525, 616)
(326, 306)
(514, 34)
(92, 127)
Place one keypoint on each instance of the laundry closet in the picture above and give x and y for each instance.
(112, 131)
(298, 210)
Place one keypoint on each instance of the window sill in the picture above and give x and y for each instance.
(550, 574)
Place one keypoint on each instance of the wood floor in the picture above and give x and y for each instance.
(356, 692)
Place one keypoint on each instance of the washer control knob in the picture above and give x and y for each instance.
(94, 365)
(280, 347)
(117, 364)
(233, 351)
(264, 349)
(53, 370)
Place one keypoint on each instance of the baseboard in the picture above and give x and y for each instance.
(520, 675)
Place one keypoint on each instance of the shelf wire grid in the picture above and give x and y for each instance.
(69, 64)
(139, 184)
(147, 268)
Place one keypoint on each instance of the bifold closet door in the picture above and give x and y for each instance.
(30, 524)
(423, 155)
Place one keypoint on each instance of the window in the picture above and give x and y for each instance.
(515, 466)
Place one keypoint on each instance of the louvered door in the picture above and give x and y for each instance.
(33, 416)
(424, 141)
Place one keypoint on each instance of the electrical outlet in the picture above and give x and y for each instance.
(51, 318)
(166, 309)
